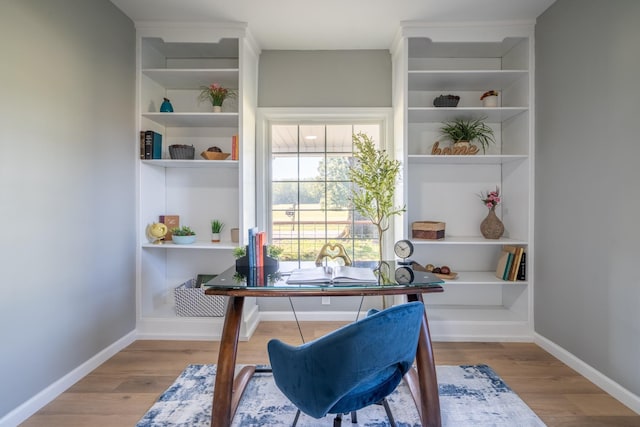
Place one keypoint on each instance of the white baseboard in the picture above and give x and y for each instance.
(31, 406)
(598, 378)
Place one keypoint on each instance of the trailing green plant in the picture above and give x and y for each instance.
(375, 177)
(182, 231)
(216, 226)
(461, 129)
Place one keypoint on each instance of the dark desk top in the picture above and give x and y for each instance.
(265, 283)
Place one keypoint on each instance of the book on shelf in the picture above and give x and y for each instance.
(503, 260)
(171, 221)
(522, 268)
(142, 145)
(332, 275)
(235, 147)
(510, 262)
(152, 145)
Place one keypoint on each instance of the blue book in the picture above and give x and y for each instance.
(157, 145)
(507, 268)
(251, 247)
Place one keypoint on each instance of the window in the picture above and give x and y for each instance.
(310, 189)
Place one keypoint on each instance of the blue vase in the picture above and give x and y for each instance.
(166, 106)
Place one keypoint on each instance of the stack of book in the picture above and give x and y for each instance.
(512, 263)
(150, 145)
(256, 247)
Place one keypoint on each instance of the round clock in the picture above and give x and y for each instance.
(403, 248)
(404, 275)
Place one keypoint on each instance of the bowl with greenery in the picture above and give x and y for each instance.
(462, 130)
(183, 235)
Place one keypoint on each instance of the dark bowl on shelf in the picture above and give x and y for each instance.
(446, 101)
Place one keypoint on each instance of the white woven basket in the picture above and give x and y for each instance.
(192, 301)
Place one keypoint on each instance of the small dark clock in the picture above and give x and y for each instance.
(404, 275)
(403, 249)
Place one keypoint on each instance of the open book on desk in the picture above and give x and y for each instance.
(333, 275)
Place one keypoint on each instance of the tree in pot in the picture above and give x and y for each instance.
(468, 130)
(375, 176)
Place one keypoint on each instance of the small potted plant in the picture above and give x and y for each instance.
(464, 131)
(183, 235)
(216, 229)
(216, 94)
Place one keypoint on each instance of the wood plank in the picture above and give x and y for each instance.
(119, 392)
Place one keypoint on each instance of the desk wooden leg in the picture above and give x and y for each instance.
(427, 393)
(222, 413)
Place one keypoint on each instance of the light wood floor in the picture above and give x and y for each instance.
(120, 391)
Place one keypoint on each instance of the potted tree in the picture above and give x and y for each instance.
(465, 131)
(375, 177)
(183, 235)
(216, 229)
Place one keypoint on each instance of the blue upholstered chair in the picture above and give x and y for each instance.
(353, 367)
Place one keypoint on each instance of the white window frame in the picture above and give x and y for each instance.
(266, 117)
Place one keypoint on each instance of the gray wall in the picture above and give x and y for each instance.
(67, 200)
(360, 78)
(587, 293)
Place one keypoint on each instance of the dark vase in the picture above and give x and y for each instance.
(491, 227)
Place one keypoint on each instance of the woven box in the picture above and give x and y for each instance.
(431, 230)
(192, 302)
(182, 152)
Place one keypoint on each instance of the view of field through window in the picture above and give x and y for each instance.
(311, 191)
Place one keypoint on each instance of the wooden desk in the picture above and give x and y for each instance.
(227, 393)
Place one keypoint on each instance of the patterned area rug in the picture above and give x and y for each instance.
(469, 396)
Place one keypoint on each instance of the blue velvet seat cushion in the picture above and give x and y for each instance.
(352, 367)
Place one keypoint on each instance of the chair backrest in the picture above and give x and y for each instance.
(316, 375)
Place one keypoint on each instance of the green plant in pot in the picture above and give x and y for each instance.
(468, 130)
(272, 251)
(216, 229)
(183, 235)
(375, 176)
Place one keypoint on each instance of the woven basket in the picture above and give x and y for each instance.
(446, 101)
(192, 301)
(182, 152)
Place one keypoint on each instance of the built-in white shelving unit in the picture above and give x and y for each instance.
(175, 61)
(466, 60)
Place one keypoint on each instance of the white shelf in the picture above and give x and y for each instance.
(172, 163)
(441, 114)
(463, 80)
(196, 245)
(465, 313)
(192, 78)
(229, 120)
(480, 278)
(469, 240)
(477, 159)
